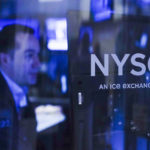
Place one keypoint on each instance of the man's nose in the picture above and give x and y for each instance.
(36, 63)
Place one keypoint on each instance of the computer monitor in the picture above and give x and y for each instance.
(56, 30)
(101, 10)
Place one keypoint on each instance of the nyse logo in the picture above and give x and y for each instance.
(104, 68)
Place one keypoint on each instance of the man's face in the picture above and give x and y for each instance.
(25, 63)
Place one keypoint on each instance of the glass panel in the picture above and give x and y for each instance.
(109, 66)
(80, 80)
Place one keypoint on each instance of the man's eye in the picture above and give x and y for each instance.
(28, 56)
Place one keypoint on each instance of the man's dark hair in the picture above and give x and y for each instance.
(8, 35)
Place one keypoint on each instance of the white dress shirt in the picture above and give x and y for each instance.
(17, 92)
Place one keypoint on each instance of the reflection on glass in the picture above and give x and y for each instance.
(116, 89)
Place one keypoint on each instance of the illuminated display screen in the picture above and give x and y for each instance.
(57, 34)
(101, 9)
(48, 116)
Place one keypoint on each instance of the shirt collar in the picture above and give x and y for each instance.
(15, 88)
(16, 91)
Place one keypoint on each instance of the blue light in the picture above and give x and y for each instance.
(28, 22)
(101, 9)
(86, 30)
(143, 41)
(63, 84)
(102, 15)
(57, 34)
(141, 143)
(117, 139)
(147, 76)
(146, 1)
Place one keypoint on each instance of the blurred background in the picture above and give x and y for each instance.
(69, 31)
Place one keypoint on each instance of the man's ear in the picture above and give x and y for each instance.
(4, 59)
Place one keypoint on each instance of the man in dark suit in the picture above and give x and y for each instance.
(19, 64)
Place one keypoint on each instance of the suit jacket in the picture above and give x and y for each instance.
(17, 130)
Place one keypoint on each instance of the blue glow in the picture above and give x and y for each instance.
(147, 77)
(31, 23)
(142, 43)
(101, 9)
(102, 15)
(63, 84)
(146, 1)
(86, 30)
(141, 143)
(144, 39)
(117, 140)
(57, 34)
